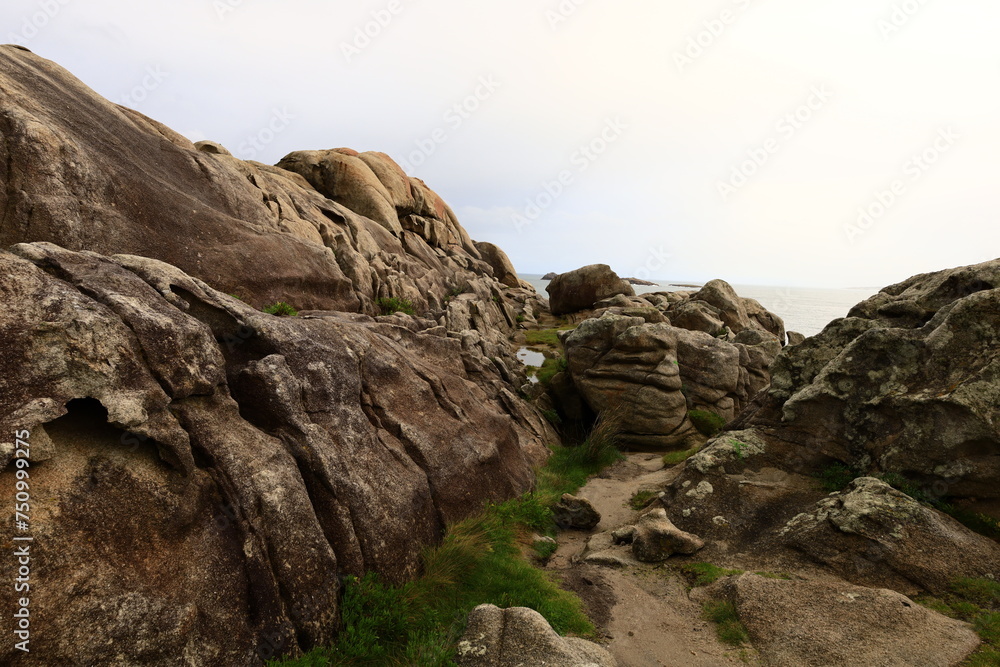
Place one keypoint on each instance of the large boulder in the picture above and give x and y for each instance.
(873, 534)
(503, 268)
(203, 473)
(654, 374)
(626, 366)
(815, 624)
(908, 383)
(581, 289)
(519, 636)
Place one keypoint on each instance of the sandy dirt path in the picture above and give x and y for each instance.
(644, 612)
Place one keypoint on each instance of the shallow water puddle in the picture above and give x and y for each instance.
(529, 357)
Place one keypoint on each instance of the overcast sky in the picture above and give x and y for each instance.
(773, 142)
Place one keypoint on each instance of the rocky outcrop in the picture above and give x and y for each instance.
(581, 289)
(519, 636)
(189, 445)
(907, 383)
(801, 624)
(656, 373)
(186, 445)
(902, 389)
(336, 230)
(876, 535)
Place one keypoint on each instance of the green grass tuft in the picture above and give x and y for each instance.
(550, 367)
(704, 574)
(708, 423)
(281, 309)
(728, 626)
(673, 458)
(640, 499)
(388, 305)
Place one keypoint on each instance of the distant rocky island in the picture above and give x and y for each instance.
(251, 399)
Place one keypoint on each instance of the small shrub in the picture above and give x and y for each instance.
(708, 423)
(389, 305)
(281, 309)
(728, 626)
(673, 458)
(640, 499)
(836, 477)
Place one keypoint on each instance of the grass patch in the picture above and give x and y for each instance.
(481, 560)
(387, 305)
(976, 601)
(641, 499)
(704, 574)
(727, 623)
(739, 448)
(543, 337)
(552, 417)
(673, 458)
(708, 423)
(550, 367)
(280, 309)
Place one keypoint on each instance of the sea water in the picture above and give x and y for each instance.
(804, 309)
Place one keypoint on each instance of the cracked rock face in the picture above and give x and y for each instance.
(206, 472)
(656, 373)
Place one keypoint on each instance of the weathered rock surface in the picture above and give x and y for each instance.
(878, 536)
(656, 373)
(656, 538)
(908, 383)
(812, 624)
(575, 513)
(205, 459)
(518, 636)
(581, 289)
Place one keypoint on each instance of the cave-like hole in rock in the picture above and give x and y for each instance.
(86, 425)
